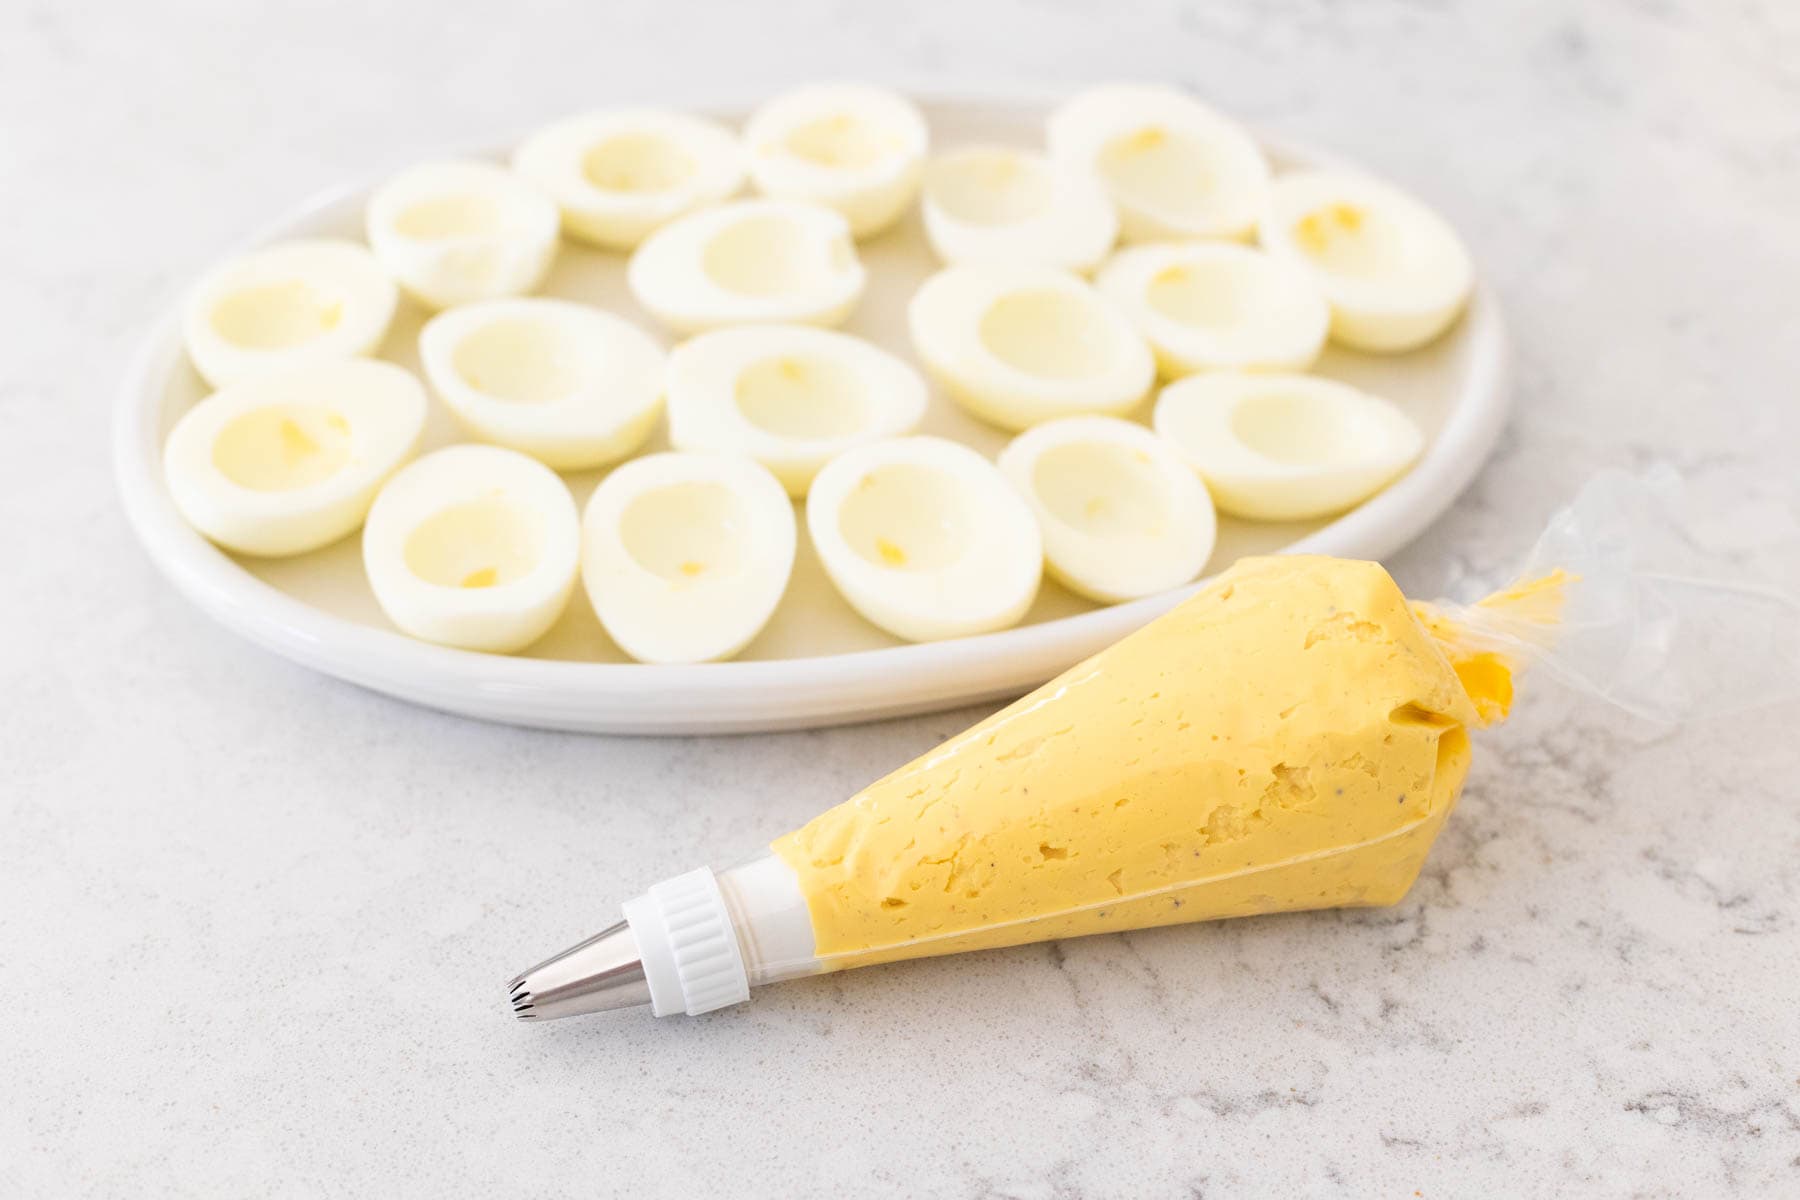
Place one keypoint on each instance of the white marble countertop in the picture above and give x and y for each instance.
(253, 923)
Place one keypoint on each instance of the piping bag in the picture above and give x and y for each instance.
(1292, 736)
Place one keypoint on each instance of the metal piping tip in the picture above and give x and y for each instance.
(600, 974)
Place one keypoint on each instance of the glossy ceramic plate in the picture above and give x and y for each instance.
(817, 662)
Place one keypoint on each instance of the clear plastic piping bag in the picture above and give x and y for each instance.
(1634, 619)
(1615, 600)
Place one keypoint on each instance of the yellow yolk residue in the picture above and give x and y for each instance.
(1316, 230)
(1486, 673)
(1291, 737)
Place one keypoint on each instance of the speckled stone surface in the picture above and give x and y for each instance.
(254, 923)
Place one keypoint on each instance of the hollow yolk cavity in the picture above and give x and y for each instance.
(684, 531)
(277, 316)
(1048, 333)
(1158, 169)
(841, 141)
(283, 447)
(1347, 239)
(907, 516)
(637, 163)
(800, 397)
(479, 544)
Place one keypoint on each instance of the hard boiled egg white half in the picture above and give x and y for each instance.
(925, 538)
(1212, 305)
(287, 462)
(749, 262)
(1280, 447)
(456, 232)
(789, 396)
(853, 148)
(620, 175)
(1176, 168)
(1017, 346)
(1122, 514)
(473, 546)
(1395, 272)
(998, 204)
(570, 385)
(685, 556)
(286, 305)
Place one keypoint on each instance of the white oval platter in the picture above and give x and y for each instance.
(817, 663)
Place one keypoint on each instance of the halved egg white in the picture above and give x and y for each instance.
(1175, 168)
(1017, 346)
(925, 538)
(1395, 273)
(287, 305)
(570, 385)
(998, 204)
(287, 462)
(1280, 447)
(475, 547)
(1207, 306)
(850, 147)
(749, 262)
(456, 232)
(789, 396)
(685, 556)
(621, 174)
(1122, 514)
